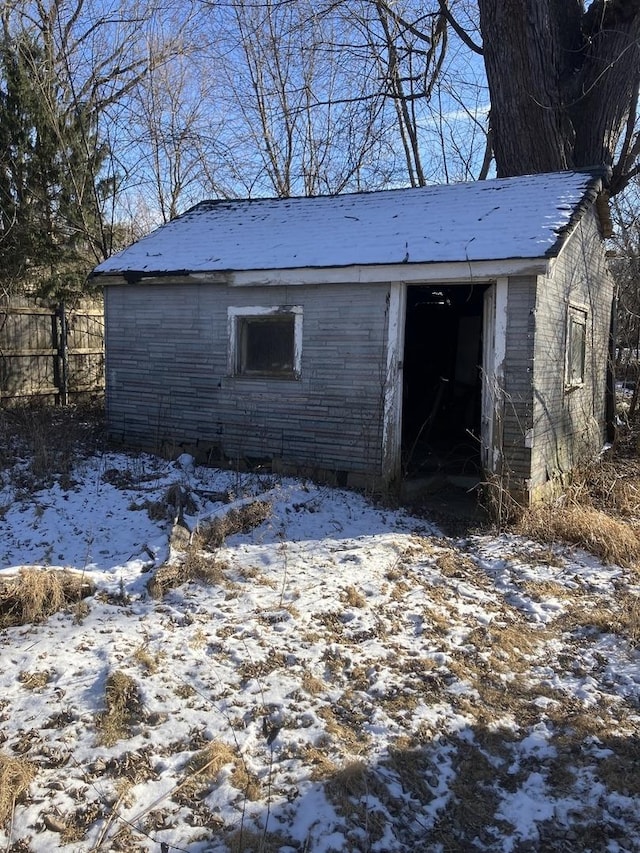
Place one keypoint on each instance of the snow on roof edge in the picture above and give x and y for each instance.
(262, 224)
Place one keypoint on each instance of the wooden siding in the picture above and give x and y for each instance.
(517, 413)
(169, 388)
(569, 424)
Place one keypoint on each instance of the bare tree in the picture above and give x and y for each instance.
(300, 116)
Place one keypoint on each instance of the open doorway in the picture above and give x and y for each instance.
(442, 394)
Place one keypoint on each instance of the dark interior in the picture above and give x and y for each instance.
(442, 381)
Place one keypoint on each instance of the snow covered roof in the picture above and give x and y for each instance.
(510, 218)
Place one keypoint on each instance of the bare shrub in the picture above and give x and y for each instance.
(51, 437)
(175, 502)
(123, 708)
(241, 519)
(35, 594)
(15, 777)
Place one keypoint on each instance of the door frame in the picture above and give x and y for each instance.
(494, 337)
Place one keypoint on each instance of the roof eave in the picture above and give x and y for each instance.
(595, 194)
(443, 271)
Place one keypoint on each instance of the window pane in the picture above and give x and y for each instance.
(576, 355)
(267, 344)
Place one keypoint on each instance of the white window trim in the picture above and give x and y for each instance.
(574, 309)
(235, 312)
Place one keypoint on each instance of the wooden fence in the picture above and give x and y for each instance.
(53, 352)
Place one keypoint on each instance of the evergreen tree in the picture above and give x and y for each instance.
(51, 228)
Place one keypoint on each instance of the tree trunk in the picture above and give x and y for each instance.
(562, 82)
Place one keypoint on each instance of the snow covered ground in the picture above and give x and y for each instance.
(342, 677)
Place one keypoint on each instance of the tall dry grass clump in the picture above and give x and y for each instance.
(16, 775)
(34, 594)
(611, 539)
(240, 519)
(123, 708)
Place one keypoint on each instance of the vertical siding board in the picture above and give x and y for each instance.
(518, 403)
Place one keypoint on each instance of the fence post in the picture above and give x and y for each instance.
(63, 353)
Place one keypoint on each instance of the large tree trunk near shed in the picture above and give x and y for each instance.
(563, 83)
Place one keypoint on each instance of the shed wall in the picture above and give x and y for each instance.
(569, 423)
(517, 409)
(169, 386)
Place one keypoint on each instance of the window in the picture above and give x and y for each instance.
(576, 347)
(265, 341)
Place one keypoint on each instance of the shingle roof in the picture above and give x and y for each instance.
(522, 217)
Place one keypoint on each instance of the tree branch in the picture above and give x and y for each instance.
(462, 34)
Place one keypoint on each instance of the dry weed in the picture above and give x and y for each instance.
(34, 680)
(241, 519)
(349, 791)
(354, 598)
(123, 708)
(621, 617)
(608, 538)
(35, 594)
(194, 565)
(15, 777)
(247, 841)
(146, 659)
(322, 767)
(203, 771)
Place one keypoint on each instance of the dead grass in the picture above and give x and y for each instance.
(194, 565)
(123, 708)
(247, 841)
(145, 659)
(414, 768)
(35, 594)
(241, 519)
(34, 680)
(15, 777)
(621, 617)
(610, 539)
(354, 598)
(349, 789)
(203, 772)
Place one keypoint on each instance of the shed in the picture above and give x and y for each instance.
(460, 331)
